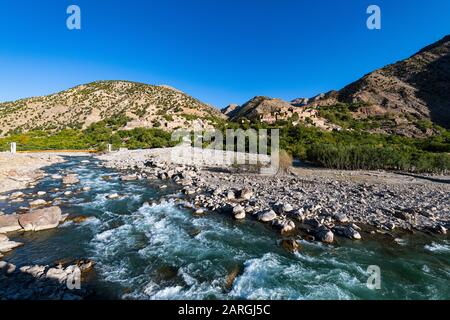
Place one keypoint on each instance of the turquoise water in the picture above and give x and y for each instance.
(162, 251)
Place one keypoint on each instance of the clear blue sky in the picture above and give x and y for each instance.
(220, 51)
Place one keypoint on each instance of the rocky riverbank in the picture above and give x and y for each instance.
(311, 203)
(20, 171)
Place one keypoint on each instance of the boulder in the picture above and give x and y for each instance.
(441, 229)
(284, 225)
(266, 216)
(35, 271)
(42, 219)
(16, 195)
(71, 179)
(290, 245)
(313, 223)
(341, 217)
(286, 208)
(78, 219)
(230, 195)
(348, 232)
(199, 211)
(9, 223)
(41, 193)
(240, 215)
(7, 245)
(112, 196)
(6, 268)
(129, 178)
(239, 212)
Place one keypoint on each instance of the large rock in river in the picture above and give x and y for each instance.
(42, 219)
(9, 223)
(267, 216)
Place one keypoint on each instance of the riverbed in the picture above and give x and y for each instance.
(147, 246)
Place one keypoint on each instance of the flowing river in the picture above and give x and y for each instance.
(163, 251)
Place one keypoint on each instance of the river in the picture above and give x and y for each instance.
(162, 251)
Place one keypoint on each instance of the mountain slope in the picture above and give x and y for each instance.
(261, 109)
(78, 107)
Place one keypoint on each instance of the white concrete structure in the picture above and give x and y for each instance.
(13, 147)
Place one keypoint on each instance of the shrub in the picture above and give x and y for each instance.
(285, 162)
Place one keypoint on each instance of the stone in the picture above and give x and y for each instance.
(240, 215)
(112, 196)
(238, 209)
(290, 245)
(6, 268)
(41, 219)
(71, 179)
(78, 219)
(266, 216)
(341, 218)
(9, 223)
(390, 225)
(313, 223)
(231, 195)
(41, 193)
(129, 178)
(299, 215)
(35, 271)
(16, 195)
(6, 246)
(284, 225)
(348, 232)
(56, 177)
(58, 274)
(199, 211)
(38, 203)
(245, 193)
(286, 208)
(85, 189)
(401, 215)
(324, 235)
(67, 193)
(439, 229)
